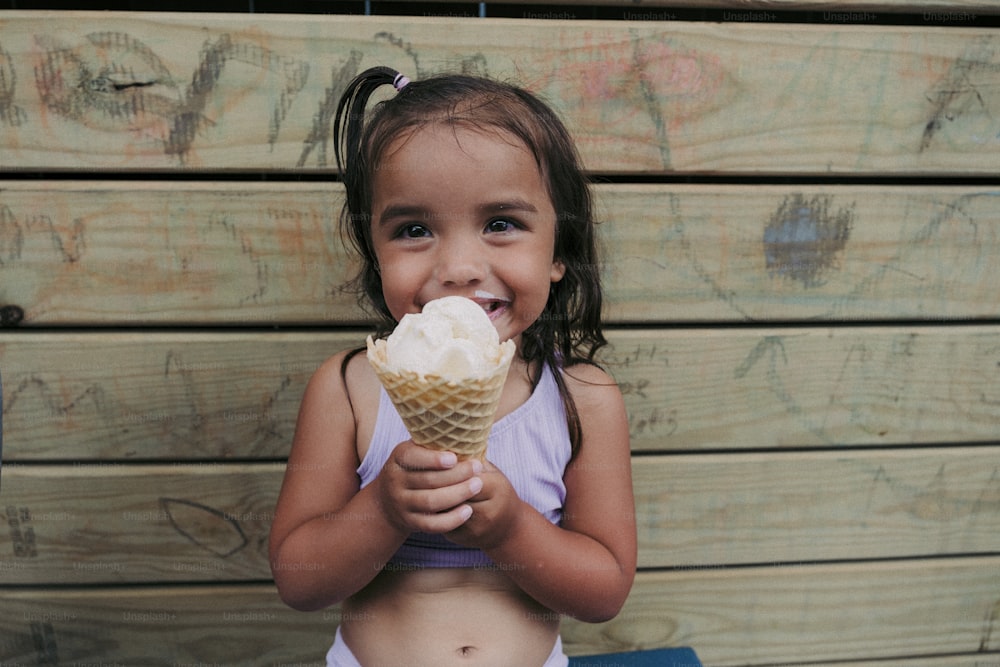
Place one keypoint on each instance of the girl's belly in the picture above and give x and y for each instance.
(447, 616)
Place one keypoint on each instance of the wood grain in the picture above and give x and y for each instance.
(968, 660)
(203, 396)
(811, 372)
(140, 396)
(114, 523)
(773, 508)
(759, 253)
(149, 253)
(159, 91)
(803, 614)
(833, 11)
(138, 524)
(145, 253)
(808, 387)
(890, 609)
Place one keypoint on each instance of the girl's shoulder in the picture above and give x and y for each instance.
(604, 441)
(344, 389)
(590, 386)
(583, 375)
(346, 375)
(346, 368)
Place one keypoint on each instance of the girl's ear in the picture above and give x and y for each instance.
(558, 271)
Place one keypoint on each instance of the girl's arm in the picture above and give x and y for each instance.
(328, 538)
(585, 567)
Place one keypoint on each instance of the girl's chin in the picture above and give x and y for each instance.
(503, 328)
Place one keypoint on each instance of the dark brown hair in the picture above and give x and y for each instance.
(569, 329)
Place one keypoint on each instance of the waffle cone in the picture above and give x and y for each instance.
(440, 413)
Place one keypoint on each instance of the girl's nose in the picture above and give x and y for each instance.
(461, 262)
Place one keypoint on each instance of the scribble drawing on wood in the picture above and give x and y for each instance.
(111, 81)
(965, 102)
(10, 113)
(804, 239)
(204, 526)
(321, 132)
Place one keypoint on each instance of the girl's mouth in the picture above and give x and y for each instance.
(491, 304)
(495, 309)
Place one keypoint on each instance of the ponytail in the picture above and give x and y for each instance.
(348, 124)
(355, 172)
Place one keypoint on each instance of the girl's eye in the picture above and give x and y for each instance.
(413, 231)
(500, 225)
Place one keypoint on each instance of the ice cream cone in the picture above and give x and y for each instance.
(440, 413)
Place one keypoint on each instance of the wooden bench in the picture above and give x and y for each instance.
(802, 239)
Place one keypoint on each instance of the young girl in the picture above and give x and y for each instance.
(459, 185)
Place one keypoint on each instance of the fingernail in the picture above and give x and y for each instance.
(448, 459)
(477, 466)
(475, 485)
(465, 513)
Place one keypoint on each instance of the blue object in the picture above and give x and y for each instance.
(662, 657)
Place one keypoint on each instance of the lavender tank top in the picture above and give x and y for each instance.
(530, 446)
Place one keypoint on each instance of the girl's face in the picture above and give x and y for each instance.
(463, 211)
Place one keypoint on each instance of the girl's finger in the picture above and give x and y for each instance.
(443, 522)
(410, 456)
(445, 498)
(438, 479)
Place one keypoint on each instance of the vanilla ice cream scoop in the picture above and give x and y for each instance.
(451, 338)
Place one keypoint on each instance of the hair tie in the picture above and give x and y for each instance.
(400, 82)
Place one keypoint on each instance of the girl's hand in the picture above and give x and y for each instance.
(495, 510)
(420, 489)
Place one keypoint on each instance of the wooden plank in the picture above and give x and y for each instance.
(811, 613)
(969, 660)
(730, 617)
(146, 253)
(183, 396)
(135, 524)
(111, 523)
(178, 253)
(816, 506)
(134, 396)
(762, 11)
(753, 253)
(805, 387)
(156, 91)
(227, 626)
